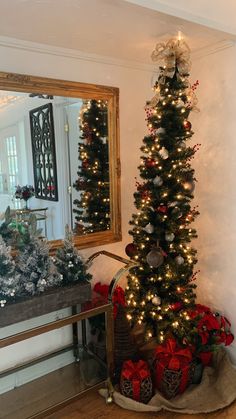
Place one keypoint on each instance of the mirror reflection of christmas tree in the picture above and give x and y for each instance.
(92, 208)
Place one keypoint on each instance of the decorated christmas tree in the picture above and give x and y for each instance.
(160, 292)
(34, 265)
(9, 279)
(92, 208)
(69, 262)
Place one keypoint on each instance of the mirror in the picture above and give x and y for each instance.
(59, 157)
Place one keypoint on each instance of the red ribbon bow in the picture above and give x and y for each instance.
(172, 356)
(135, 372)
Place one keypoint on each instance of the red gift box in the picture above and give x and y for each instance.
(173, 368)
(135, 381)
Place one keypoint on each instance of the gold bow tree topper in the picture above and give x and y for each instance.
(174, 59)
(174, 55)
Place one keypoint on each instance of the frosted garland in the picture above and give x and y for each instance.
(37, 272)
(9, 279)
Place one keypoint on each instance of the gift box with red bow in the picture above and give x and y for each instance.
(135, 381)
(173, 368)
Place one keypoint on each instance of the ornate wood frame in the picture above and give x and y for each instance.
(31, 84)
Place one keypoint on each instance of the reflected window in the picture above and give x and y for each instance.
(1, 178)
(12, 163)
(9, 167)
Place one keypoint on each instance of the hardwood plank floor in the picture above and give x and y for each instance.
(93, 406)
(52, 388)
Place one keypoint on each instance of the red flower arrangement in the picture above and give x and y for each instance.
(212, 329)
(100, 296)
(24, 192)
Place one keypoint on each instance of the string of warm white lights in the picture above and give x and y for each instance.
(160, 291)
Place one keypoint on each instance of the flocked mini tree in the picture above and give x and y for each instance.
(9, 279)
(69, 263)
(92, 208)
(160, 291)
(34, 264)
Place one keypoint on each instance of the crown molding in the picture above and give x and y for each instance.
(19, 44)
(72, 53)
(212, 48)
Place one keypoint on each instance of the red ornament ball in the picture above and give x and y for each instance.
(187, 125)
(81, 183)
(85, 164)
(162, 209)
(176, 306)
(131, 250)
(145, 194)
(150, 163)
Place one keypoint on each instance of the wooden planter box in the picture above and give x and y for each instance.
(45, 303)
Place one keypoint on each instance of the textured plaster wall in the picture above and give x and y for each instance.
(215, 165)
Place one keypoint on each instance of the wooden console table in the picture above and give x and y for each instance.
(43, 304)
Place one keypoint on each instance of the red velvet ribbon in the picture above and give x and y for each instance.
(170, 356)
(135, 372)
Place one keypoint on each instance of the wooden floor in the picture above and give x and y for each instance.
(92, 406)
(24, 401)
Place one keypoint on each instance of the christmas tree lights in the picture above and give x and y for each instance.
(92, 208)
(160, 290)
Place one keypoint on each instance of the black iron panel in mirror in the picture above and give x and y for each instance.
(54, 161)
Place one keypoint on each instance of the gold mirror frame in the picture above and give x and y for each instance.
(55, 87)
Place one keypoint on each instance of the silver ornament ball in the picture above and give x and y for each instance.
(173, 204)
(183, 144)
(158, 181)
(149, 228)
(155, 258)
(164, 153)
(169, 237)
(179, 259)
(160, 130)
(156, 300)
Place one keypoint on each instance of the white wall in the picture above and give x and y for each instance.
(215, 164)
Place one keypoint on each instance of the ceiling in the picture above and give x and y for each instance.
(216, 14)
(113, 28)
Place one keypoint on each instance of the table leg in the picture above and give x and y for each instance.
(84, 334)
(75, 335)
